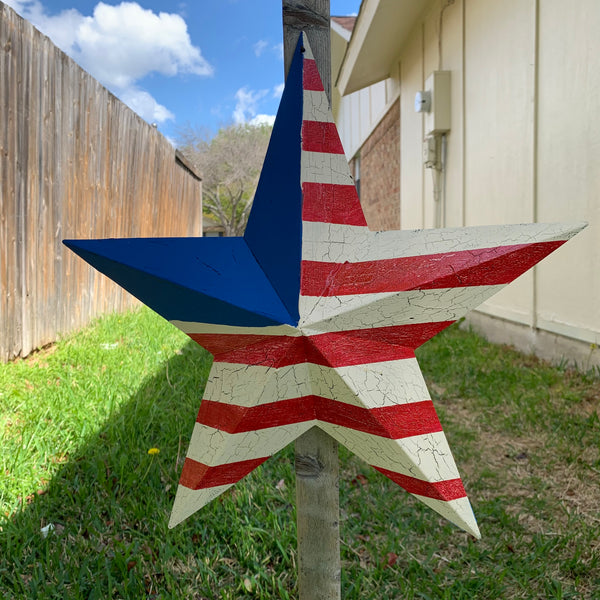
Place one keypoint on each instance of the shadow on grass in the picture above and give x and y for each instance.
(108, 509)
(110, 506)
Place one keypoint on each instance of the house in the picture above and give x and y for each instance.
(511, 134)
(211, 227)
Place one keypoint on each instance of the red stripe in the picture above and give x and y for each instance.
(342, 349)
(196, 475)
(237, 419)
(487, 266)
(267, 350)
(319, 136)
(331, 203)
(377, 344)
(394, 422)
(451, 489)
(219, 343)
(312, 79)
(335, 349)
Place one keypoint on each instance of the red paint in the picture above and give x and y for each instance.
(335, 349)
(320, 136)
(247, 349)
(237, 419)
(219, 343)
(488, 266)
(332, 203)
(393, 422)
(196, 475)
(451, 489)
(311, 78)
(377, 344)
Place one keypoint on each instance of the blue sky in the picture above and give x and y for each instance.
(204, 63)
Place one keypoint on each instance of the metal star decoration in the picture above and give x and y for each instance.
(313, 319)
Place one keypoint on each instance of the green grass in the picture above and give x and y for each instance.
(77, 421)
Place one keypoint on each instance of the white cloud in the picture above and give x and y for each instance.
(278, 90)
(124, 43)
(17, 5)
(246, 107)
(263, 120)
(278, 49)
(146, 106)
(260, 47)
(119, 45)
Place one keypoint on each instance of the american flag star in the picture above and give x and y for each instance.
(313, 319)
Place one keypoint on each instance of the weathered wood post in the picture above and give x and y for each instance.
(317, 466)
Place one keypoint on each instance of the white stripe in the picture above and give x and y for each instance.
(190, 327)
(214, 447)
(380, 384)
(343, 313)
(345, 243)
(374, 385)
(315, 107)
(307, 49)
(322, 167)
(425, 457)
(187, 501)
(457, 511)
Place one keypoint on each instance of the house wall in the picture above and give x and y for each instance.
(359, 113)
(380, 178)
(524, 146)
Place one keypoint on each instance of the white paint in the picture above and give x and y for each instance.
(308, 53)
(214, 447)
(457, 511)
(316, 107)
(426, 457)
(322, 167)
(191, 327)
(187, 501)
(343, 313)
(374, 385)
(328, 242)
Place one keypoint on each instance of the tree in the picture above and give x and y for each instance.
(230, 165)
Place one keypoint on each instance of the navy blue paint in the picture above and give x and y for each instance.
(274, 231)
(252, 281)
(208, 280)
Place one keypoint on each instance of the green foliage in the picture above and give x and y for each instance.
(77, 421)
(230, 164)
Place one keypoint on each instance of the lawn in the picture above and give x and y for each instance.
(77, 421)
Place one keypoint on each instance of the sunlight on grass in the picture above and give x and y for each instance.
(95, 428)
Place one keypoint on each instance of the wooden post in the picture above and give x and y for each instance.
(317, 465)
(312, 17)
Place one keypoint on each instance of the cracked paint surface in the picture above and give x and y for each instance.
(313, 319)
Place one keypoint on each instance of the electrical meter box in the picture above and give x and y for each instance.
(437, 120)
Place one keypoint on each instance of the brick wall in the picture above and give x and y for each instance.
(380, 173)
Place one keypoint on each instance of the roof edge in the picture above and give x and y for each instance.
(380, 32)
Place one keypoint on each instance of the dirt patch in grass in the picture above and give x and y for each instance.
(517, 459)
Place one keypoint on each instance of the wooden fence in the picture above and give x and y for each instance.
(75, 162)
